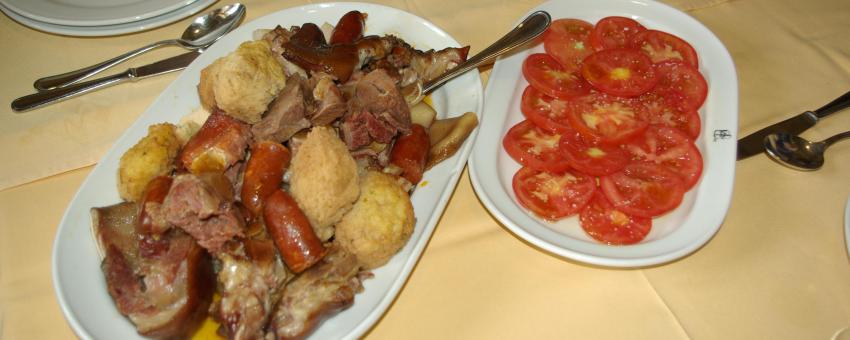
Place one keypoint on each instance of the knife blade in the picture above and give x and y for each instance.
(753, 143)
(40, 99)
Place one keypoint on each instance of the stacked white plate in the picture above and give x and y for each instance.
(99, 17)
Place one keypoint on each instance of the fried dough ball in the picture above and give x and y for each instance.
(380, 223)
(243, 83)
(152, 156)
(324, 180)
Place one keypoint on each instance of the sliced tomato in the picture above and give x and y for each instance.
(614, 32)
(671, 148)
(605, 119)
(621, 72)
(592, 159)
(548, 76)
(681, 78)
(643, 189)
(658, 108)
(553, 195)
(546, 112)
(534, 147)
(662, 46)
(568, 41)
(605, 223)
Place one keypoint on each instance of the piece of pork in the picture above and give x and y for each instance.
(286, 114)
(319, 292)
(327, 103)
(376, 112)
(221, 142)
(165, 293)
(203, 207)
(250, 280)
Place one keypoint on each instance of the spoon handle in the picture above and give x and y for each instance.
(528, 29)
(65, 79)
(836, 105)
(829, 141)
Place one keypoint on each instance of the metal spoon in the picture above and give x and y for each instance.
(798, 153)
(203, 31)
(530, 28)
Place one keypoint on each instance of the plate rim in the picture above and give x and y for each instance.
(142, 12)
(489, 191)
(452, 175)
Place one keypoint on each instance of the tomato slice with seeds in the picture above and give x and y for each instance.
(643, 189)
(568, 41)
(659, 108)
(681, 78)
(605, 223)
(553, 195)
(662, 46)
(614, 32)
(621, 72)
(605, 119)
(546, 112)
(592, 159)
(534, 147)
(671, 148)
(548, 76)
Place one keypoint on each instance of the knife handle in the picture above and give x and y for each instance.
(40, 99)
(836, 105)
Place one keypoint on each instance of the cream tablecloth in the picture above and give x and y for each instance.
(777, 269)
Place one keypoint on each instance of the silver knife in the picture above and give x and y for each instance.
(753, 143)
(39, 99)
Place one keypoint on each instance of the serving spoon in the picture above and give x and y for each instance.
(532, 27)
(797, 152)
(202, 32)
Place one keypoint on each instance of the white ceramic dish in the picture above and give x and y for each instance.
(78, 281)
(675, 234)
(107, 30)
(93, 12)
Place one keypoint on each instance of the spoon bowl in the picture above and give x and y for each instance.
(202, 32)
(797, 152)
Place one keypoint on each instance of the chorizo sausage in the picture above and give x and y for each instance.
(410, 153)
(292, 233)
(219, 143)
(263, 174)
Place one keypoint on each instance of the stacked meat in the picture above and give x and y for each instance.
(300, 130)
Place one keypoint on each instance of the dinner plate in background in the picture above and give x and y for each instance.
(673, 235)
(107, 30)
(78, 281)
(847, 226)
(92, 12)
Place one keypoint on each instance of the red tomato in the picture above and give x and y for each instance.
(568, 41)
(621, 72)
(683, 79)
(594, 160)
(671, 148)
(644, 189)
(534, 147)
(662, 46)
(605, 119)
(548, 76)
(553, 195)
(666, 109)
(614, 32)
(603, 222)
(546, 112)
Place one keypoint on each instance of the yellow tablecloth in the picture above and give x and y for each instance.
(777, 269)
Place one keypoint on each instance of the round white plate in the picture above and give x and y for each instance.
(107, 30)
(92, 12)
(673, 235)
(77, 277)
